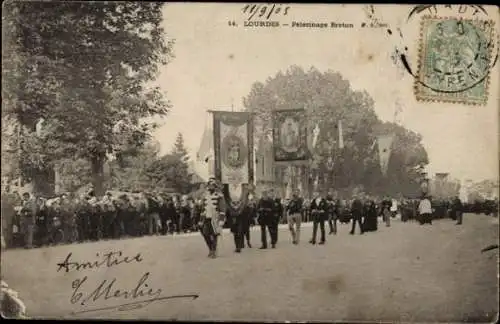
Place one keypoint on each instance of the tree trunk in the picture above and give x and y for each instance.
(43, 183)
(97, 164)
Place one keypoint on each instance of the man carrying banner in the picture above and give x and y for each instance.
(212, 216)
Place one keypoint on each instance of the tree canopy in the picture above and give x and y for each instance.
(327, 98)
(84, 68)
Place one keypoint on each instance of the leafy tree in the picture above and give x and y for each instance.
(83, 67)
(481, 190)
(172, 171)
(10, 152)
(327, 98)
(132, 171)
(73, 174)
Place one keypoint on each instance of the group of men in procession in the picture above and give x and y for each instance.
(269, 210)
(120, 215)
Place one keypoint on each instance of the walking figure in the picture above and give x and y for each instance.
(319, 209)
(212, 217)
(294, 216)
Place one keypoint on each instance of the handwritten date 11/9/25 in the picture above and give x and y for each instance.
(264, 11)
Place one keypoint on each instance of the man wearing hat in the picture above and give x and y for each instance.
(212, 216)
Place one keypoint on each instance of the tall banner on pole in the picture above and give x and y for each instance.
(384, 151)
(233, 138)
(290, 135)
(265, 161)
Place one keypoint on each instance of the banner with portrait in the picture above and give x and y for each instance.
(233, 139)
(290, 135)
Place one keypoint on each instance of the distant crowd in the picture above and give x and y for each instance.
(30, 221)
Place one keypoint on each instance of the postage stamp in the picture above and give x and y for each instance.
(454, 60)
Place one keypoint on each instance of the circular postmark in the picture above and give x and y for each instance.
(234, 153)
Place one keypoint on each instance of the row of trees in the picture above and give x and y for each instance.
(83, 68)
(142, 170)
(482, 190)
(327, 98)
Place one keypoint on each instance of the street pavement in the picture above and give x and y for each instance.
(406, 272)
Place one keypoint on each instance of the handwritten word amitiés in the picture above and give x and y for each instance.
(264, 11)
(108, 260)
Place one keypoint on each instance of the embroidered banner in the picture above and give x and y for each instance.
(264, 160)
(290, 135)
(233, 137)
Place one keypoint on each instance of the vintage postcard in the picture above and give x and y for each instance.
(250, 162)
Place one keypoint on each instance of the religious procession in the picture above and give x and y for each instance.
(153, 152)
(230, 198)
(305, 195)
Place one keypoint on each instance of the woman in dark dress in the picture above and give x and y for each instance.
(370, 223)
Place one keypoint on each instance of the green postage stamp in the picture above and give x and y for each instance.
(454, 60)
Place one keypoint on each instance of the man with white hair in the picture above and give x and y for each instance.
(212, 216)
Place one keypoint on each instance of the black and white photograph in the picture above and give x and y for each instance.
(256, 162)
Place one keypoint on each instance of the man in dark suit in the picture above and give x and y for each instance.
(239, 220)
(275, 221)
(265, 211)
(249, 218)
(332, 213)
(28, 217)
(457, 210)
(357, 214)
(319, 208)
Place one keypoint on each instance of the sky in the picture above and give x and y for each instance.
(216, 64)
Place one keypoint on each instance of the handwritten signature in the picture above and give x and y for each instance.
(106, 290)
(264, 11)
